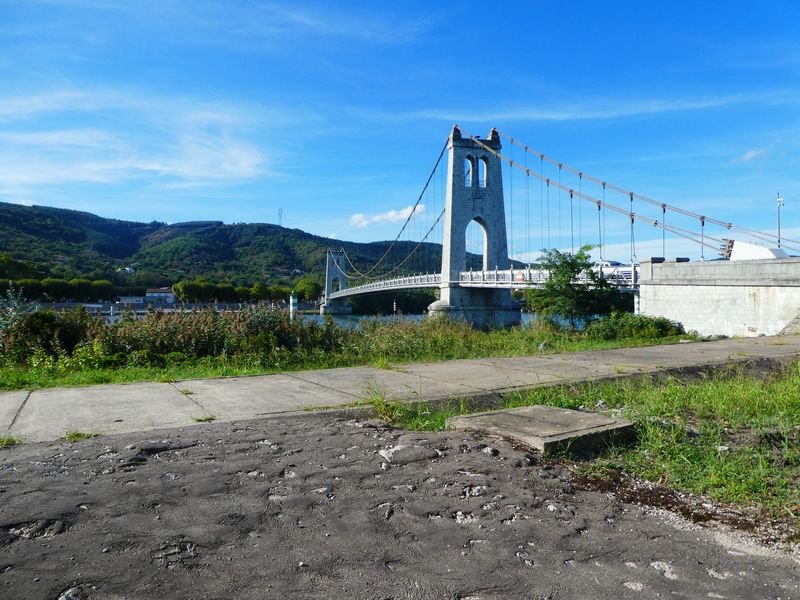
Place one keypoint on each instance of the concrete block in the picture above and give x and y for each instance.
(548, 429)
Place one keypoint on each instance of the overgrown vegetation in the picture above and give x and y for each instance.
(47, 348)
(575, 289)
(734, 438)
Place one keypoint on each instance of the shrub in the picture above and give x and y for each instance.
(54, 333)
(619, 325)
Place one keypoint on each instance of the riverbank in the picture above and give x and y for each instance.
(731, 439)
(309, 507)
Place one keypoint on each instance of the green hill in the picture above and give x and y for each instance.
(68, 244)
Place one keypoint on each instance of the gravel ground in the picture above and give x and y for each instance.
(321, 506)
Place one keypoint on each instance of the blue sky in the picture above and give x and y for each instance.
(233, 110)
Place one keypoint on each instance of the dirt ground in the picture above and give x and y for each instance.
(325, 506)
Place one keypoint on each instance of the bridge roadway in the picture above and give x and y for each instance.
(622, 277)
(46, 414)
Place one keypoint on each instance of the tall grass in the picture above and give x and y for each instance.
(47, 348)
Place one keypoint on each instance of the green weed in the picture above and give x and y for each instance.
(8, 441)
(77, 436)
(204, 419)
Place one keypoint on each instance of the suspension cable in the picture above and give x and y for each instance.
(673, 229)
(401, 263)
(411, 213)
(683, 211)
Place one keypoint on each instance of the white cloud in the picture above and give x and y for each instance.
(751, 154)
(391, 216)
(118, 135)
(597, 109)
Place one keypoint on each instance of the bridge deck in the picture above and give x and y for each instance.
(622, 277)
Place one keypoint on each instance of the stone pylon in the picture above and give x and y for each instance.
(474, 193)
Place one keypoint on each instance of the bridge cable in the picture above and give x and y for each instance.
(560, 245)
(541, 208)
(401, 263)
(571, 225)
(600, 233)
(702, 232)
(673, 229)
(405, 224)
(580, 211)
(633, 239)
(527, 210)
(511, 201)
(727, 225)
(547, 181)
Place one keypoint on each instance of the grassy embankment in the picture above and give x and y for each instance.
(71, 349)
(734, 438)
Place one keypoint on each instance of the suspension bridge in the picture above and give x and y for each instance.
(460, 221)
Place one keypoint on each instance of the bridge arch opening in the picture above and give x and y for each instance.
(469, 170)
(477, 242)
(483, 172)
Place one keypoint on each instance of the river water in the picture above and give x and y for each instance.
(352, 321)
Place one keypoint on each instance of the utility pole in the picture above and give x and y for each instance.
(779, 203)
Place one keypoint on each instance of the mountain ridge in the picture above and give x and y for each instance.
(68, 243)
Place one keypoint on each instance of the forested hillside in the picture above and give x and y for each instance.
(49, 242)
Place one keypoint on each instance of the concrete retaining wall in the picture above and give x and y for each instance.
(733, 298)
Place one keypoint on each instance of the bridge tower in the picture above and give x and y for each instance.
(335, 281)
(474, 193)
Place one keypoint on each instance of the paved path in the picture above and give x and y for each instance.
(42, 415)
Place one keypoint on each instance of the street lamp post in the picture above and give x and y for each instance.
(779, 203)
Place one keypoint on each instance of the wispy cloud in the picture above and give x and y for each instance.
(751, 155)
(263, 24)
(391, 216)
(119, 135)
(595, 110)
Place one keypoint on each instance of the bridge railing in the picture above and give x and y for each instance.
(621, 276)
(412, 281)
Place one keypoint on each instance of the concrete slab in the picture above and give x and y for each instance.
(396, 384)
(248, 397)
(552, 369)
(49, 414)
(548, 429)
(10, 404)
(485, 376)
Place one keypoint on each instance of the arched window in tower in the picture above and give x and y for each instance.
(477, 245)
(483, 171)
(469, 170)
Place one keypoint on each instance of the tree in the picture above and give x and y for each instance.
(259, 292)
(55, 288)
(80, 289)
(308, 288)
(574, 290)
(102, 289)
